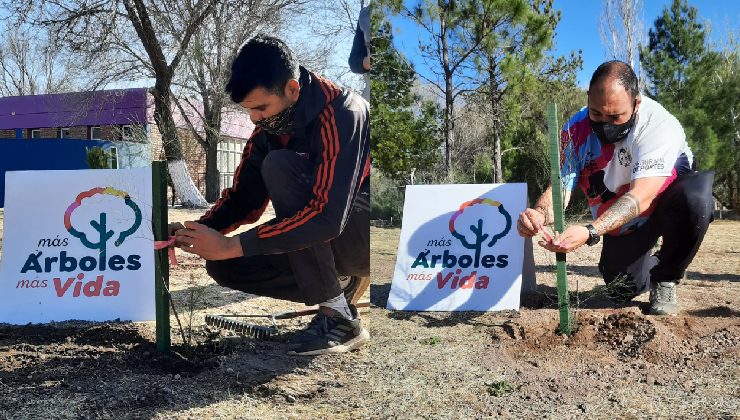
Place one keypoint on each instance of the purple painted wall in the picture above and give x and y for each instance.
(126, 106)
(106, 107)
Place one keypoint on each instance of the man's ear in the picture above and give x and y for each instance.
(292, 90)
(638, 101)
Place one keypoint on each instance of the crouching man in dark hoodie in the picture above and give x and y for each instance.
(309, 155)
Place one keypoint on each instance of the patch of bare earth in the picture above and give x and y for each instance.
(619, 363)
(113, 370)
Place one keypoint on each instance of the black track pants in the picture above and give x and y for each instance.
(308, 275)
(681, 217)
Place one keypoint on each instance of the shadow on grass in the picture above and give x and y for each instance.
(581, 270)
(446, 319)
(207, 296)
(379, 297)
(596, 298)
(114, 370)
(716, 312)
(545, 297)
(693, 275)
(379, 294)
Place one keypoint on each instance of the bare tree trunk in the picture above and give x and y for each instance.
(182, 181)
(445, 22)
(212, 118)
(734, 190)
(163, 73)
(213, 176)
(496, 121)
(449, 124)
(183, 184)
(623, 32)
(449, 99)
(497, 175)
(96, 29)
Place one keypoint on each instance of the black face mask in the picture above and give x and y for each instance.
(280, 123)
(612, 133)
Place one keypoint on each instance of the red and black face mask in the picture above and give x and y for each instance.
(611, 133)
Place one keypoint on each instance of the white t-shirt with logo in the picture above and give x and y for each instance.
(655, 147)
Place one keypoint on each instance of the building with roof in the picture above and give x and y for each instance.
(124, 120)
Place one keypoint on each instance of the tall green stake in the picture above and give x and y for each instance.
(161, 262)
(553, 129)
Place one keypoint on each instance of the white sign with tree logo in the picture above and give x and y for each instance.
(459, 248)
(77, 245)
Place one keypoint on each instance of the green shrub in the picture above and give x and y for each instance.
(386, 199)
(97, 158)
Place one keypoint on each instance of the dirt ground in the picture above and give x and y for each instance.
(78, 369)
(619, 363)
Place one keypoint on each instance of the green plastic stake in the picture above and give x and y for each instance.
(553, 129)
(161, 262)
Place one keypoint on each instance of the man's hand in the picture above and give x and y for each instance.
(573, 238)
(530, 222)
(366, 63)
(174, 227)
(203, 241)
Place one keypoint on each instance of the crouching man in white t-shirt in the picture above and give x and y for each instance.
(630, 157)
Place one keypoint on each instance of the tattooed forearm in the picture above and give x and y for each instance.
(547, 212)
(544, 206)
(626, 208)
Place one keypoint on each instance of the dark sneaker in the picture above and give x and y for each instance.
(312, 331)
(663, 299)
(330, 334)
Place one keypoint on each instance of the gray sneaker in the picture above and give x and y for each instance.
(663, 300)
(330, 334)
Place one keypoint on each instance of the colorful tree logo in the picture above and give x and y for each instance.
(475, 211)
(100, 224)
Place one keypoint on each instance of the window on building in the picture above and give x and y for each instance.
(113, 158)
(127, 133)
(65, 133)
(96, 133)
(228, 158)
(35, 133)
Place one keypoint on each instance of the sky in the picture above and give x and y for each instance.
(296, 36)
(579, 29)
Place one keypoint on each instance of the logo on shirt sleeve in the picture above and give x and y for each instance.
(648, 165)
(625, 159)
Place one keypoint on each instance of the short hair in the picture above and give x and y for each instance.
(263, 61)
(623, 73)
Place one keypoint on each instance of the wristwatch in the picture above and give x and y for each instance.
(593, 235)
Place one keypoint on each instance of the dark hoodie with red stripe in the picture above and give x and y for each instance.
(332, 126)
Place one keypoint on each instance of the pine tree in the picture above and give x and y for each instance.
(722, 103)
(680, 68)
(405, 129)
(439, 22)
(510, 59)
(676, 59)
